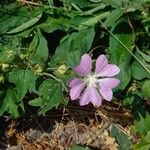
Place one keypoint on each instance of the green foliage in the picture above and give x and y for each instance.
(24, 80)
(81, 4)
(113, 17)
(119, 55)
(39, 45)
(50, 95)
(146, 89)
(144, 144)
(11, 103)
(142, 127)
(77, 44)
(138, 72)
(25, 25)
(79, 148)
(17, 18)
(38, 49)
(123, 140)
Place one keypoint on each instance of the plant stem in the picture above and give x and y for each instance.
(137, 59)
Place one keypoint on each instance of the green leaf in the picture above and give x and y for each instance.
(9, 49)
(24, 81)
(145, 57)
(113, 17)
(15, 18)
(37, 102)
(119, 55)
(113, 3)
(76, 20)
(125, 4)
(138, 72)
(123, 140)
(81, 4)
(146, 89)
(142, 126)
(144, 144)
(146, 23)
(50, 95)
(73, 58)
(38, 49)
(79, 148)
(26, 25)
(133, 100)
(11, 104)
(53, 24)
(78, 42)
(11, 17)
(93, 20)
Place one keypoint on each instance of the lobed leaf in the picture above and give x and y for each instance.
(50, 95)
(24, 80)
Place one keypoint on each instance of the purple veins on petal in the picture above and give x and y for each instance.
(75, 82)
(109, 70)
(106, 93)
(101, 62)
(92, 95)
(106, 85)
(108, 82)
(75, 91)
(85, 66)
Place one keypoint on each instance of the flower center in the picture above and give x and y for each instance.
(91, 80)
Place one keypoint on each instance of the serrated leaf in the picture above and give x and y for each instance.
(50, 95)
(142, 126)
(144, 144)
(119, 55)
(25, 25)
(24, 81)
(38, 49)
(123, 140)
(36, 102)
(79, 41)
(11, 103)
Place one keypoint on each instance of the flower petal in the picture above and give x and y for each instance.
(75, 82)
(106, 93)
(85, 66)
(91, 95)
(109, 71)
(109, 83)
(75, 91)
(101, 62)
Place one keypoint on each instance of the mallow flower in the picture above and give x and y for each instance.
(94, 84)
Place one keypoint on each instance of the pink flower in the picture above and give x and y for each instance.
(94, 86)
